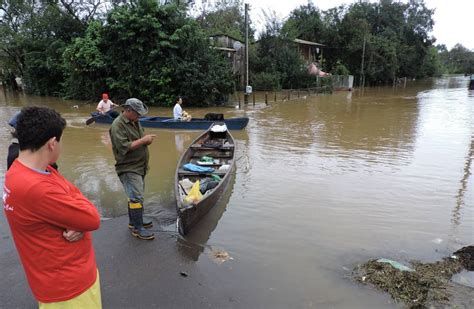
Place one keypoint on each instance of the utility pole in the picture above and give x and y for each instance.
(246, 96)
(362, 76)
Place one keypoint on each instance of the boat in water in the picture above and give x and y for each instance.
(202, 175)
(238, 123)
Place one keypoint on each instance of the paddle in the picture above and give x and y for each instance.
(92, 119)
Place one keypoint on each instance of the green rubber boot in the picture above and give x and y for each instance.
(136, 215)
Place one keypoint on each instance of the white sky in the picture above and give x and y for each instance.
(453, 18)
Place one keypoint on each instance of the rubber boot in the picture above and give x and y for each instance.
(147, 223)
(136, 214)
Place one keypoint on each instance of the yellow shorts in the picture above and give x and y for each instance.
(89, 299)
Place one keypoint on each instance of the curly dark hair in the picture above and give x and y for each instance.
(36, 125)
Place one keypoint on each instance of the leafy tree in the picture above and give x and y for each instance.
(84, 65)
(225, 17)
(432, 65)
(340, 69)
(458, 60)
(396, 36)
(304, 23)
(34, 34)
(150, 51)
(276, 60)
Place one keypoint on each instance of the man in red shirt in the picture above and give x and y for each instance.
(50, 219)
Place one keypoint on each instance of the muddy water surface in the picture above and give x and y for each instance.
(322, 183)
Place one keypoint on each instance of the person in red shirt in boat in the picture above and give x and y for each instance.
(105, 106)
(49, 218)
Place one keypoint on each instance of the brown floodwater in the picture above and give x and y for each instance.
(323, 182)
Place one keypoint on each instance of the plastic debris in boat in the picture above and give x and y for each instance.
(206, 160)
(194, 196)
(196, 168)
(224, 167)
(216, 177)
(207, 184)
(186, 183)
(219, 128)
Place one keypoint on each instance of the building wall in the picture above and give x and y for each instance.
(236, 57)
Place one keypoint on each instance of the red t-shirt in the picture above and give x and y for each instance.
(39, 208)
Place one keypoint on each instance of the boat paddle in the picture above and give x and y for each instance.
(92, 119)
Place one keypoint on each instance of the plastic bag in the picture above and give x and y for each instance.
(395, 264)
(194, 196)
(196, 168)
(208, 184)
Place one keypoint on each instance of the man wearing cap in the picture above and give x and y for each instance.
(130, 148)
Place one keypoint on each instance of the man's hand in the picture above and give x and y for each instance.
(148, 139)
(72, 236)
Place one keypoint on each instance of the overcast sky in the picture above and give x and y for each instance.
(454, 19)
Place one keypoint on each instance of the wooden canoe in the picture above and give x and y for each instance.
(220, 147)
(237, 123)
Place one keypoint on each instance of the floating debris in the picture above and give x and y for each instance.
(220, 256)
(466, 257)
(428, 285)
(183, 274)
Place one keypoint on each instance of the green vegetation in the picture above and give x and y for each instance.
(78, 49)
(458, 60)
(136, 48)
(396, 39)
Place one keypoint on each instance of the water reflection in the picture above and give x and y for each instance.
(324, 182)
(463, 185)
(367, 128)
(195, 242)
(181, 140)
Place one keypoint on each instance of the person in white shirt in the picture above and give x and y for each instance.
(105, 105)
(178, 113)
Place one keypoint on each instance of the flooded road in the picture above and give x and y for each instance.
(322, 183)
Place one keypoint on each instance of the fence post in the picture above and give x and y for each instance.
(253, 97)
(238, 95)
(266, 98)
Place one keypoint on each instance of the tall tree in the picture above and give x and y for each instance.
(33, 36)
(225, 17)
(150, 51)
(276, 61)
(304, 23)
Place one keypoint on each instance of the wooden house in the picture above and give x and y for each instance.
(234, 50)
(310, 51)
